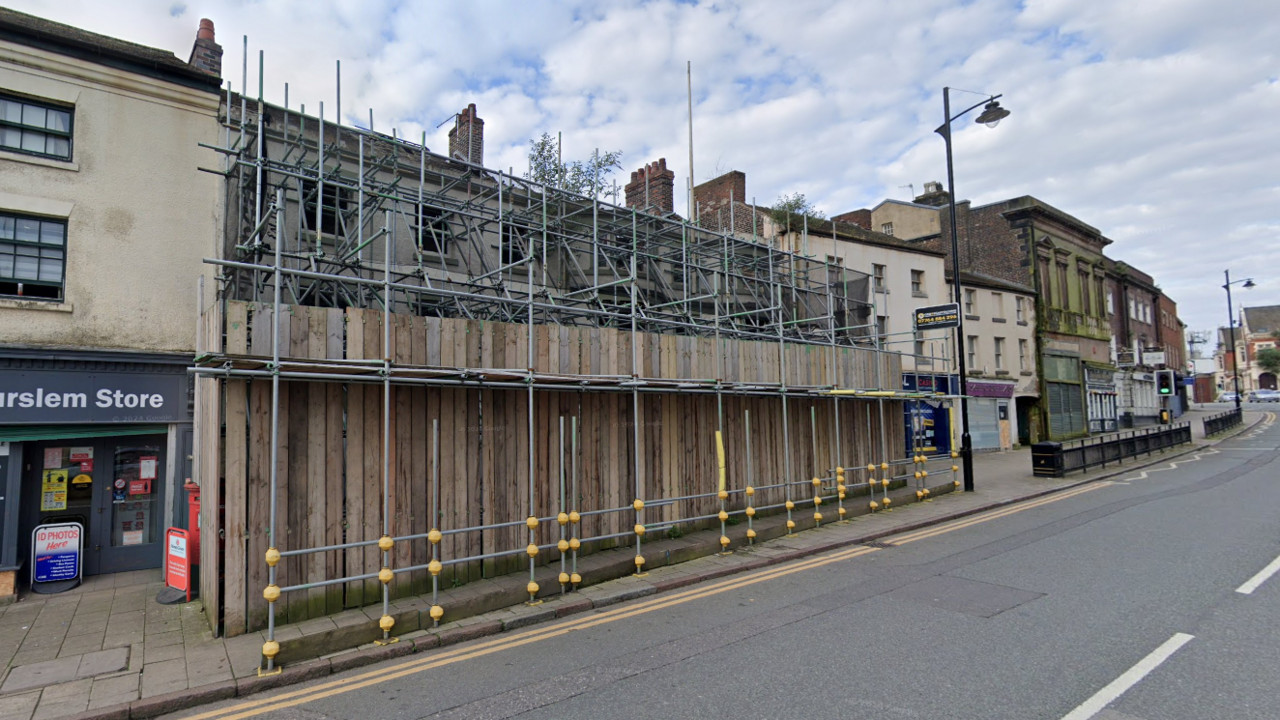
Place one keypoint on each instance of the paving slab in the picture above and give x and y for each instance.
(103, 662)
(35, 675)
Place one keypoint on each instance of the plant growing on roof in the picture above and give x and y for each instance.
(790, 210)
(589, 177)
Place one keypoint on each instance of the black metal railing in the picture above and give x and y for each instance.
(1222, 421)
(1056, 459)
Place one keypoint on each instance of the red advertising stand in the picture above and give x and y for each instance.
(177, 560)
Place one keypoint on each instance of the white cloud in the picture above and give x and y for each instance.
(1149, 119)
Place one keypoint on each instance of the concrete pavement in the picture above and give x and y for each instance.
(170, 660)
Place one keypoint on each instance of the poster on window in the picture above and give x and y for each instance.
(52, 458)
(147, 467)
(81, 453)
(132, 523)
(53, 491)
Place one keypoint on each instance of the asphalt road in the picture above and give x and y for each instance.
(1118, 600)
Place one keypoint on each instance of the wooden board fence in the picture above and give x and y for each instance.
(330, 457)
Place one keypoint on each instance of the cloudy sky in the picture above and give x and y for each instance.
(1153, 120)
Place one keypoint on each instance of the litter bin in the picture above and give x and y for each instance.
(1046, 459)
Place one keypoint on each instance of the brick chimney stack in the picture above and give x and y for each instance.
(466, 139)
(206, 54)
(652, 188)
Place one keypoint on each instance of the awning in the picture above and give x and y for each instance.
(24, 433)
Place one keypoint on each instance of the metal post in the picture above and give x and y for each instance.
(966, 447)
(1231, 328)
(272, 592)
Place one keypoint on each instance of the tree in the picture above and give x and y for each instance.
(589, 178)
(1269, 360)
(790, 210)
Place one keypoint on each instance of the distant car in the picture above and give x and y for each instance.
(1227, 397)
(1264, 396)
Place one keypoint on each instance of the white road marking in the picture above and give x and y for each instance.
(1131, 677)
(1256, 581)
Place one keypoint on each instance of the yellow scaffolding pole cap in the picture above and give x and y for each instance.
(638, 504)
(385, 543)
(639, 529)
(531, 523)
(955, 468)
(887, 502)
(435, 536)
(273, 557)
(816, 482)
(791, 524)
(574, 517)
(751, 512)
(270, 649)
(434, 567)
(575, 578)
(574, 543)
(437, 612)
(884, 466)
(563, 546)
(386, 622)
(751, 534)
(750, 491)
(790, 505)
(841, 511)
(924, 473)
(839, 470)
(271, 593)
(532, 587)
(723, 494)
(817, 500)
(724, 541)
(871, 467)
(874, 506)
(385, 575)
(564, 578)
(817, 517)
(639, 561)
(723, 516)
(563, 518)
(840, 494)
(841, 487)
(532, 550)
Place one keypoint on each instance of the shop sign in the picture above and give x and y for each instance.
(990, 389)
(55, 552)
(45, 396)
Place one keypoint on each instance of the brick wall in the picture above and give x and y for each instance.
(206, 54)
(989, 243)
(468, 129)
(861, 218)
(652, 188)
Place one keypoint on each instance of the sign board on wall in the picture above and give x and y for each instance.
(936, 317)
(48, 396)
(55, 553)
(1152, 357)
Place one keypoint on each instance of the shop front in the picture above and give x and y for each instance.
(98, 441)
(928, 422)
(990, 421)
(1102, 405)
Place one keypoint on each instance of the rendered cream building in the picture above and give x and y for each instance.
(104, 223)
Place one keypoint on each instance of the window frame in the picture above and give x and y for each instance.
(999, 353)
(47, 132)
(970, 301)
(917, 283)
(886, 229)
(878, 277)
(1023, 346)
(39, 245)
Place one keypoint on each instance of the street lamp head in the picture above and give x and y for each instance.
(992, 114)
(1249, 283)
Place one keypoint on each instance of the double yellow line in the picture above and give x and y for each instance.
(471, 651)
(506, 642)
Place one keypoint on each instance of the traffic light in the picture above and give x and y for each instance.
(1164, 382)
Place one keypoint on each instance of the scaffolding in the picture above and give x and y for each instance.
(344, 224)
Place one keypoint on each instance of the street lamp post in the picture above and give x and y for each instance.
(1231, 329)
(991, 115)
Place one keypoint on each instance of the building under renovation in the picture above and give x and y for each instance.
(415, 370)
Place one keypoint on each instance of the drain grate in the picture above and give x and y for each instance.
(878, 544)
